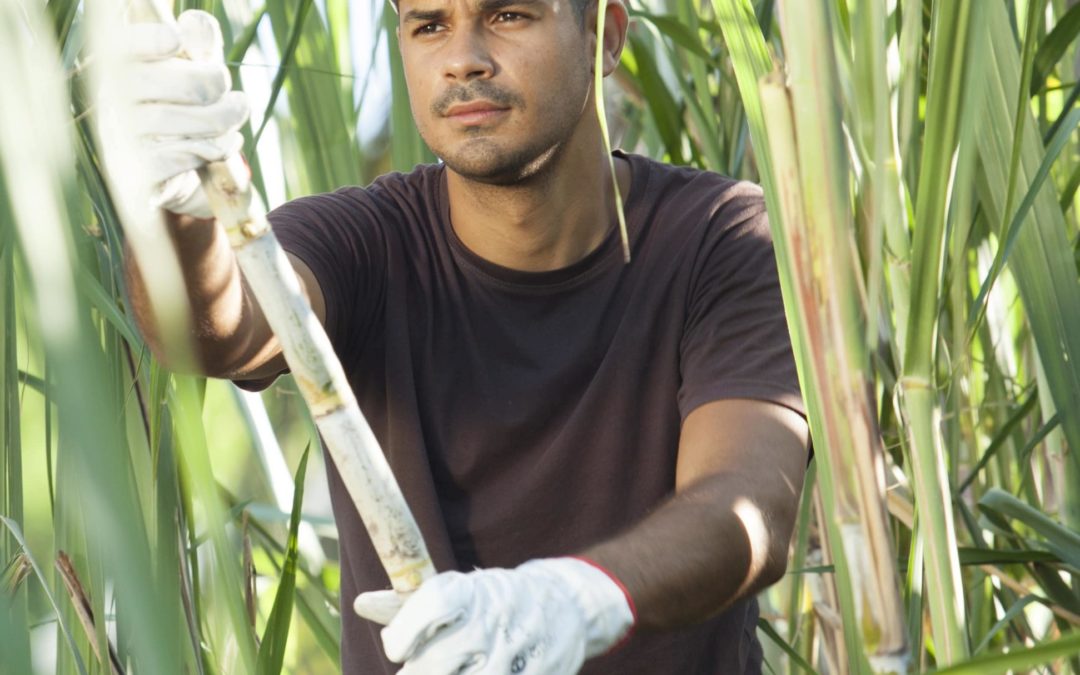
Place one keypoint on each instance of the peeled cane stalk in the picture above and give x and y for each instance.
(317, 370)
(319, 376)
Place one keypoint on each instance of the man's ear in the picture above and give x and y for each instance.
(616, 20)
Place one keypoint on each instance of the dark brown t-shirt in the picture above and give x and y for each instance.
(535, 414)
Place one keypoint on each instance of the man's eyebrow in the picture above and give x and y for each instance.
(423, 15)
(495, 5)
(483, 6)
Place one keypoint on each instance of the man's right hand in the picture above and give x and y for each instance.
(186, 115)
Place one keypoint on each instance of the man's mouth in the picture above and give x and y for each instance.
(475, 112)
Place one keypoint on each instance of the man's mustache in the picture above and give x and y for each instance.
(480, 89)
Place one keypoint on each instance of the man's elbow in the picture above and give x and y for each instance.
(775, 568)
(783, 527)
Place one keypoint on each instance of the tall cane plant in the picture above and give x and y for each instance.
(921, 164)
(820, 228)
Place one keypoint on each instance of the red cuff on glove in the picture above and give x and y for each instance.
(626, 594)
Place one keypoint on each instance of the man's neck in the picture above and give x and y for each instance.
(543, 224)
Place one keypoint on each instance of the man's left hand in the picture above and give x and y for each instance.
(544, 617)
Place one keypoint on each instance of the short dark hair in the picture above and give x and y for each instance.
(579, 7)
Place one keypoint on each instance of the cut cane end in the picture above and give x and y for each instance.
(408, 578)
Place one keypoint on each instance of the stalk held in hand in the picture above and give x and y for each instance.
(316, 368)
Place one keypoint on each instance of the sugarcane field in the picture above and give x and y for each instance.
(545, 337)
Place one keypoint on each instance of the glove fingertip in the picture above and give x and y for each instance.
(239, 107)
(232, 143)
(200, 36)
(378, 606)
(398, 645)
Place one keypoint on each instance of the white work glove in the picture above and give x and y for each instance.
(544, 617)
(185, 114)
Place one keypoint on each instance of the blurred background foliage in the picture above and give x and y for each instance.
(922, 163)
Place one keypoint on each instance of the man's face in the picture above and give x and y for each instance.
(496, 86)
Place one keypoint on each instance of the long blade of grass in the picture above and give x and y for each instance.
(661, 102)
(16, 532)
(1053, 48)
(312, 600)
(272, 650)
(969, 557)
(601, 118)
(1070, 103)
(1005, 620)
(272, 460)
(186, 407)
(1042, 261)
(11, 463)
(1018, 659)
(679, 32)
(1012, 231)
(1035, 7)
(320, 153)
(1002, 436)
(799, 550)
(105, 303)
(1069, 193)
(237, 50)
(62, 13)
(796, 658)
(288, 56)
(15, 645)
(1059, 538)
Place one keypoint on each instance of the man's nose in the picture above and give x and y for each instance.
(468, 57)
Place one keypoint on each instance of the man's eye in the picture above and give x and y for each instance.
(427, 29)
(505, 17)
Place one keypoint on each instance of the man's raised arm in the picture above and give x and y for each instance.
(187, 117)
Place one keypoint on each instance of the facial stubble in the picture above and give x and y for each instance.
(486, 158)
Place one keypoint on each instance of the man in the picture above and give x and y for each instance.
(604, 458)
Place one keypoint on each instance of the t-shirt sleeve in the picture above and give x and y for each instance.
(735, 340)
(339, 237)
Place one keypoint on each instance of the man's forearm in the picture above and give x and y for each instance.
(229, 330)
(707, 547)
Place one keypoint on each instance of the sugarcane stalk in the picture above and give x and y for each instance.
(952, 33)
(835, 304)
(318, 373)
(886, 243)
(847, 443)
(825, 304)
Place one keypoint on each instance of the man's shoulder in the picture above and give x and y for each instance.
(684, 200)
(390, 197)
(691, 189)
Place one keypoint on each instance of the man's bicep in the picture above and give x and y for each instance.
(764, 442)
